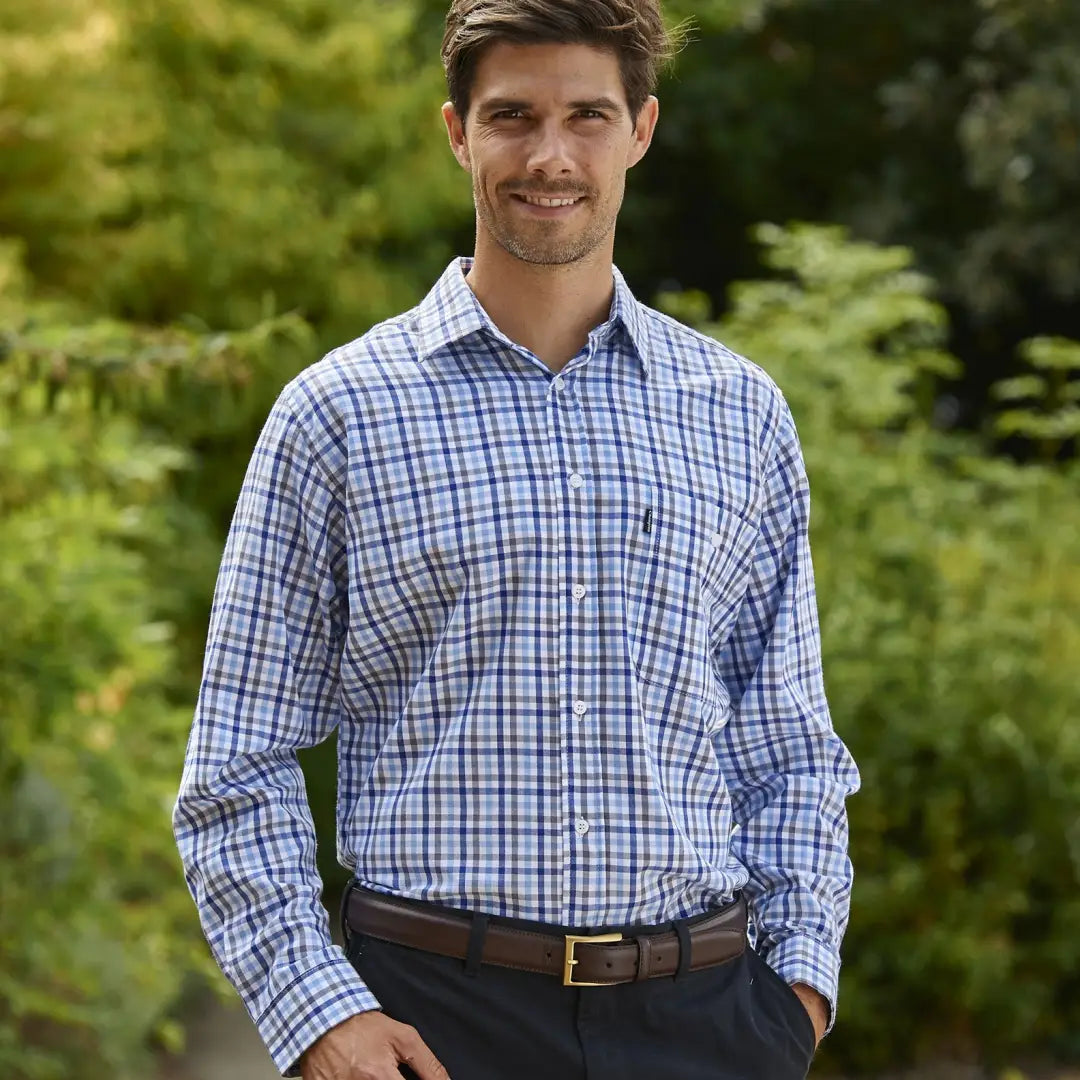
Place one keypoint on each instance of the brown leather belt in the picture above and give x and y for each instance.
(592, 960)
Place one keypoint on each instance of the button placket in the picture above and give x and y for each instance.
(578, 570)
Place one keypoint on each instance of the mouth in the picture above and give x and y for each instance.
(543, 206)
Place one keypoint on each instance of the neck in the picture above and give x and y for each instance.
(548, 310)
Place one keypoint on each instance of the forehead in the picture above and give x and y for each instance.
(547, 73)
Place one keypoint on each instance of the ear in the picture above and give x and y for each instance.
(455, 128)
(643, 131)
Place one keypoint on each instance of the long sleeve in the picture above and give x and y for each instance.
(269, 688)
(788, 771)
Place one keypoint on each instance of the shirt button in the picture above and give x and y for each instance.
(559, 383)
(581, 826)
(580, 707)
(717, 540)
(579, 591)
(576, 480)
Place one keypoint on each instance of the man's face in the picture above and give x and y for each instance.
(549, 122)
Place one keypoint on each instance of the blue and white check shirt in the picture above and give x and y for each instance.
(566, 630)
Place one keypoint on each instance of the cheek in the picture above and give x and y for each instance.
(610, 163)
(614, 180)
(489, 169)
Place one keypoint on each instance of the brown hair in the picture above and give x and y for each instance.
(632, 29)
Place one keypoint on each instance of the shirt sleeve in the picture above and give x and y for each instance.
(270, 687)
(788, 771)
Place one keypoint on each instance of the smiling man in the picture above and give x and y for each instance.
(540, 555)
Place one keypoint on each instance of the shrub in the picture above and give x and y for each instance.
(97, 557)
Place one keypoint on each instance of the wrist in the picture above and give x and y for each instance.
(817, 1007)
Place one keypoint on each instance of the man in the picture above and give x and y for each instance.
(539, 554)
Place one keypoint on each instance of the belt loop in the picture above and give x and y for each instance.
(477, 933)
(682, 931)
(644, 957)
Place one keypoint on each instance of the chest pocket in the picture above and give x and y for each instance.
(683, 578)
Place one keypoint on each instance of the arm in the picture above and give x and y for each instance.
(269, 687)
(788, 771)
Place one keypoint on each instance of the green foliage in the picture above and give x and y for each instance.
(98, 557)
(53, 91)
(1055, 422)
(241, 159)
(949, 586)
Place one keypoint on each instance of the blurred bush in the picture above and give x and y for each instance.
(228, 158)
(949, 588)
(99, 558)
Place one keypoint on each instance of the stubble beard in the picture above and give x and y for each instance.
(533, 246)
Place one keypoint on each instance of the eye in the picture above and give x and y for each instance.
(507, 114)
(591, 114)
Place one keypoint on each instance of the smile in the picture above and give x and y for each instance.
(533, 200)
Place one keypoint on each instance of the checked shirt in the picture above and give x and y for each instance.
(565, 628)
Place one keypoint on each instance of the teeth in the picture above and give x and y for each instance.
(548, 202)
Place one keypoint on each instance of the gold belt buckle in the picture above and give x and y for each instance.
(572, 942)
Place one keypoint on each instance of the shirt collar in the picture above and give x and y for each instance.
(451, 312)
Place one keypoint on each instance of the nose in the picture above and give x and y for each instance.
(549, 154)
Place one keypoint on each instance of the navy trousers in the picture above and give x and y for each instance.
(736, 1021)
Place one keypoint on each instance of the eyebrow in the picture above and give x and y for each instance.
(496, 104)
(600, 104)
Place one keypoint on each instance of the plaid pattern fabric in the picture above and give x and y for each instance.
(565, 628)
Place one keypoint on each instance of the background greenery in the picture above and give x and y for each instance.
(197, 198)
